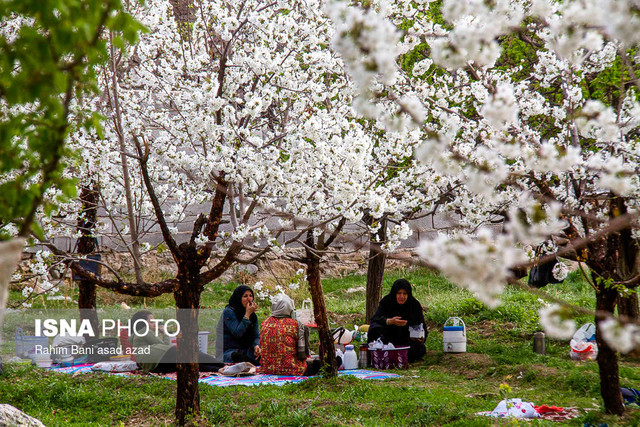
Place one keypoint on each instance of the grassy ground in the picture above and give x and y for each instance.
(444, 389)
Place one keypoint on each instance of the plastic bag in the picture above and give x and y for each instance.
(583, 346)
(541, 274)
(583, 350)
(305, 315)
(376, 344)
(587, 332)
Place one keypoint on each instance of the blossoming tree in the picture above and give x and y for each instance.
(532, 108)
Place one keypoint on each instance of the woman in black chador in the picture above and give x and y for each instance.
(398, 311)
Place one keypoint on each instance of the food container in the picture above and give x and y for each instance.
(203, 341)
(389, 358)
(42, 360)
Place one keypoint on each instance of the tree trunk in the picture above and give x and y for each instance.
(627, 264)
(607, 357)
(327, 349)
(628, 308)
(184, 12)
(87, 244)
(375, 269)
(187, 299)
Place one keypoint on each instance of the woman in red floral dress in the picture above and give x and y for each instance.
(284, 341)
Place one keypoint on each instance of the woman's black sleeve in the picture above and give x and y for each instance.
(379, 317)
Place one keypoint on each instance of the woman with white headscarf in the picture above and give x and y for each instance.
(285, 341)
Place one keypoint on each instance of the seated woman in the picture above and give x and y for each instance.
(285, 342)
(154, 355)
(241, 337)
(398, 311)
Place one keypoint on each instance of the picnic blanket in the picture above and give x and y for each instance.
(259, 379)
(222, 381)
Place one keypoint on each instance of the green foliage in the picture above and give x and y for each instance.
(605, 86)
(47, 60)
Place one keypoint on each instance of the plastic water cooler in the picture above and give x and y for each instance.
(454, 335)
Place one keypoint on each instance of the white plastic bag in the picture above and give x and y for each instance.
(583, 350)
(587, 332)
(583, 346)
(305, 315)
(377, 344)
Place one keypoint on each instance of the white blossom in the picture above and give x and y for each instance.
(555, 322)
(560, 271)
(622, 338)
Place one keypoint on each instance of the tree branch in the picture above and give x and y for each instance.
(166, 235)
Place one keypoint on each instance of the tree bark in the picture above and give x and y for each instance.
(87, 244)
(607, 357)
(327, 349)
(187, 299)
(627, 265)
(184, 12)
(628, 308)
(375, 268)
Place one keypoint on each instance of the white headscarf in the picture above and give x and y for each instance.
(282, 306)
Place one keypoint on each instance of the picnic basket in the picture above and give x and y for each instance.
(26, 344)
(389, 358)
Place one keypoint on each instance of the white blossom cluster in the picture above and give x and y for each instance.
(479, 263)
(622, 338)
(269, 292)
(368, 44)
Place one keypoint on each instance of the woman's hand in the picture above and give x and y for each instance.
(252, 307)
(257, 351)
(396, 321)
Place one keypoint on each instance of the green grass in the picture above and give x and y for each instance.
(444, 389)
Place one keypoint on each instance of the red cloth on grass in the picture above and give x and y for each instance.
(544, 409)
